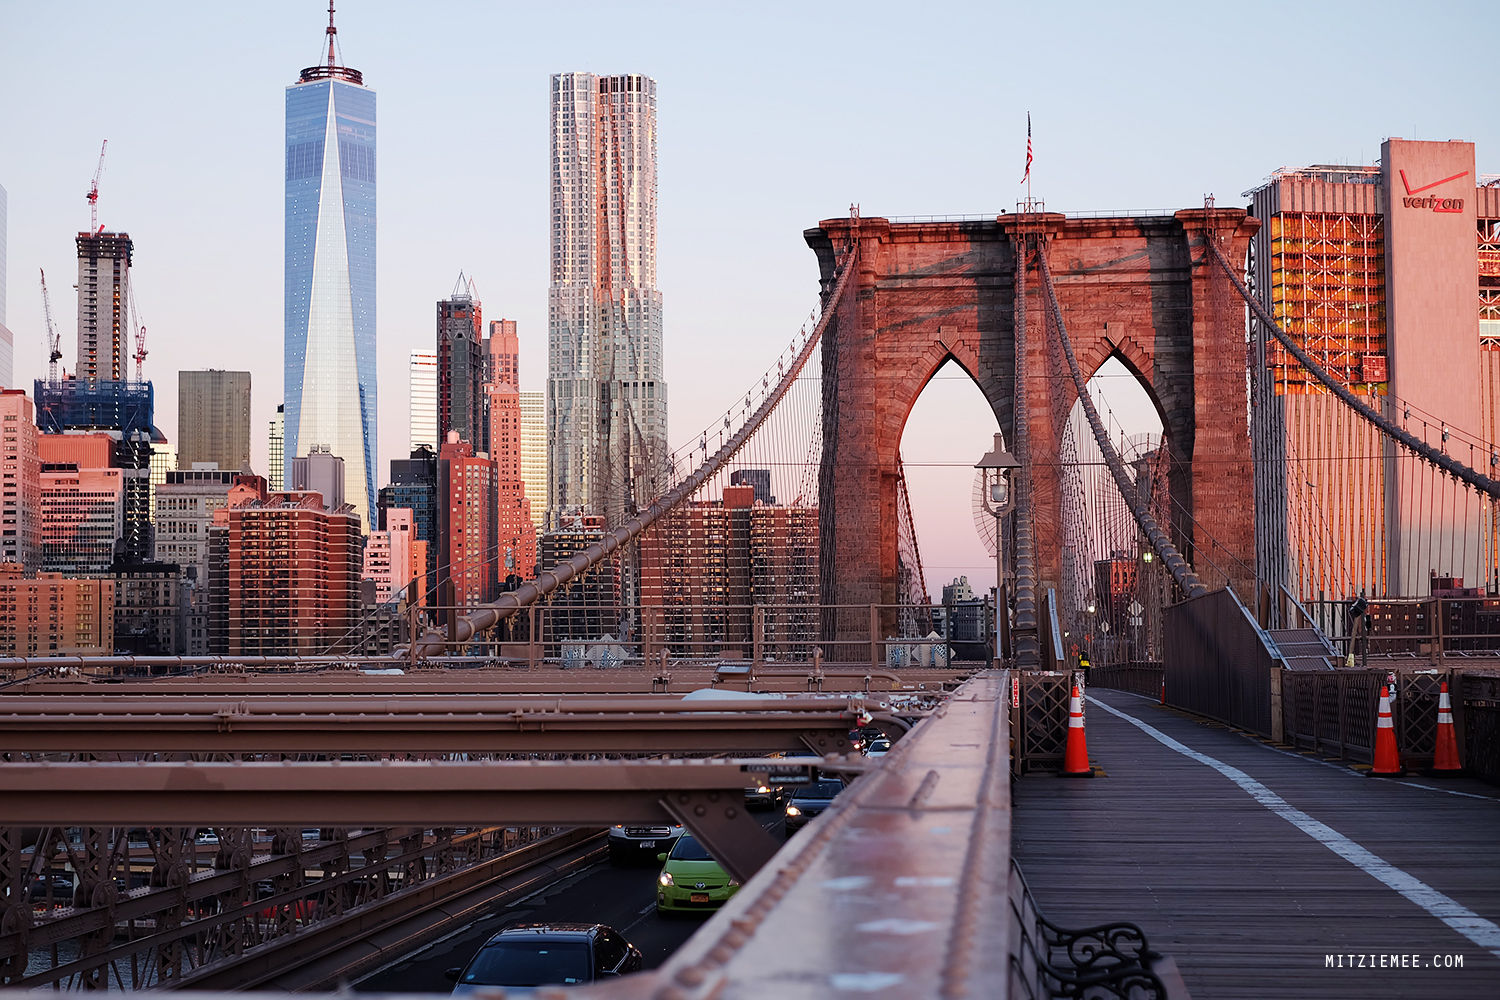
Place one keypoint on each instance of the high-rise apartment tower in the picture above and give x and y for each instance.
(461, 368)
(422, 401)
(103, 305)
(213, 419)
(606, 398)
(7, 342)
(330, 271)
(276, 451)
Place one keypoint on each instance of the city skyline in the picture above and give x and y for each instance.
(759, 141)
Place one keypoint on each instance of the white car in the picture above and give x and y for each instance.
(629, 844)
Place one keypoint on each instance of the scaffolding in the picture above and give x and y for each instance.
(1328, 291)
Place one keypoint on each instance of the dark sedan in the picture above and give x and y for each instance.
(808, 802)
(526, 956)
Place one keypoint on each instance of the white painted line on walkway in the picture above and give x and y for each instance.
(1344, 768)
(1471, 925)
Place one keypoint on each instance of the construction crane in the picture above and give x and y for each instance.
(54, 339)
(140, 332)
(93, 194)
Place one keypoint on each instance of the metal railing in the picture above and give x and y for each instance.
(1434, 628)
(161, 907)
(1334, 712)
(1218, 663)
(1137, 678)
(592, 635)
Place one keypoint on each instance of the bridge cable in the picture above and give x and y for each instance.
(486, 616)
(1181, 570)
(1025, 636)
(1423, 450)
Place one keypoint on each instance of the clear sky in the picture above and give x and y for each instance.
(771, 116)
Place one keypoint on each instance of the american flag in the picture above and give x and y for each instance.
(1027, 175)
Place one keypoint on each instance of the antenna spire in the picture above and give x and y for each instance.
(330, 69)
(332, 34)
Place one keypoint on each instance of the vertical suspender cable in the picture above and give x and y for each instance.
(1175, 563)
(1028, 649)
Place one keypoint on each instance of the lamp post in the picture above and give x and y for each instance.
(997, 464)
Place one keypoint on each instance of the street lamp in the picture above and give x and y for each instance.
(997, 464)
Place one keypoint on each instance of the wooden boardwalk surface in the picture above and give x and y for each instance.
(1247, 894)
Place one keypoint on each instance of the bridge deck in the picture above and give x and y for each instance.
(1244, 889)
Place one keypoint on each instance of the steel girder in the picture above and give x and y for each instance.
(347, 724)
(69, 675)
(707, 796)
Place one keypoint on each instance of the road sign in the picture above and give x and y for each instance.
(1135, 610)
(1135, 620)
(1104, 626)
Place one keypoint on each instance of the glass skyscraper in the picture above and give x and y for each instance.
(330, 272)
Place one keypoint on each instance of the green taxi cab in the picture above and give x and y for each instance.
(691, 880)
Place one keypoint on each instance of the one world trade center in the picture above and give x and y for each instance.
(330, 272)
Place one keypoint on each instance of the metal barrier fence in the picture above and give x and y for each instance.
(1334, 712)
(1429, 627)
(1217, 663)
(1039, 719)
(583, 633)
(1480, 735)
(1136, 678)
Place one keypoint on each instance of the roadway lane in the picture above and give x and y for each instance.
(623, 897)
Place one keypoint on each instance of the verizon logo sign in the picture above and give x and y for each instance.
(1431, 203)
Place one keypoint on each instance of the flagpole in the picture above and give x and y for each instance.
(1026, 177)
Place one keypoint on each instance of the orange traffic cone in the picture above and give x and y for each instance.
(1387, 759)
(1445, 752)
(1076, 755)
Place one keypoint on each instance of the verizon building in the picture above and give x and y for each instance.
(1389, 276)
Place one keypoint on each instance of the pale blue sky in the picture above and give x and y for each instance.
(771, 116)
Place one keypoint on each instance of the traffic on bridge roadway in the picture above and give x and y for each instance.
(1262, 872)
(622, 896)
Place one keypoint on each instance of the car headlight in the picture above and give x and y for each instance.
(734, 883)
(793, 811)
(665, 878)
(762, 789)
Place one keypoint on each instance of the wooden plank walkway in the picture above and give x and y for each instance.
(1249, 904)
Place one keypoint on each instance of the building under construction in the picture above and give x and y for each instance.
(103, 305)
(1346, 262)
(125, 411)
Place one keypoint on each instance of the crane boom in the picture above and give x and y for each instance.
(54, 339)
(93, 195)
(140, 332)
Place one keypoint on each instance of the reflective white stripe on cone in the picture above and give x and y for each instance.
(1445, 750)
(1076, 754)
(1387, 758)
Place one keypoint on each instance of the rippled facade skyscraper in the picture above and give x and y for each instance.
(606, 394)
(330, 272)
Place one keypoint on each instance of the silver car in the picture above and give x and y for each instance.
(641, 844)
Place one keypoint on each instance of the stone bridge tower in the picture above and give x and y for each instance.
(1138, 288)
